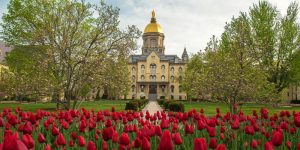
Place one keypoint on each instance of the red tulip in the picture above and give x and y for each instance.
(277, 138)
(213, 143)
(47, 147)
(81, 141)
(254, 144)
(164, 124)
(269, 146)
(61, 139)
(146, 144)
(107, 133)
(200, 144)
(54, 130)
(177, 139)
(298, 146)
(115, 137)
(297, 121)
(288, 144)
(71, 143)
(27, 128)
(221, 147)
(211, 131)
(11, 142)
(104, 145)
(91, 146)
(28, 141)
(41, 138)
(166, 141)
(124, 139)
(235, 124)
(158, 131)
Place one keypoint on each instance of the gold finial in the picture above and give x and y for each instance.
(153, 14)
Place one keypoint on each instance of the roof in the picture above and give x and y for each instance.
(171, 58)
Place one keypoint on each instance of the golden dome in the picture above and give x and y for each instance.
(153, 26)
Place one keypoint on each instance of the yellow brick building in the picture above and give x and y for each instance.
(155, 75)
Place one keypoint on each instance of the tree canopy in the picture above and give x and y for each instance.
(256, 57)
(79, 39)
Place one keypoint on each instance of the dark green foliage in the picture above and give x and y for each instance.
(176, 106)
(136, 104)
(295, 101)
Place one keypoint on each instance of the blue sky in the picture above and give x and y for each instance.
(189, 23)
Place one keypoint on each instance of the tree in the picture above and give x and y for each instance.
(275, 41)
(79, 38)
(28, 75)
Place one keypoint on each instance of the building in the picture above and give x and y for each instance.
(4, 49)
(154, 74)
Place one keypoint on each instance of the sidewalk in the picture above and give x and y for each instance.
(152, 107)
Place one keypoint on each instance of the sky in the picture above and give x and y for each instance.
(186, 23)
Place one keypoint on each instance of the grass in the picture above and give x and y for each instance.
(210, 108)
(96, 105)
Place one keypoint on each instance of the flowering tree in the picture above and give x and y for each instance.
(78, 37)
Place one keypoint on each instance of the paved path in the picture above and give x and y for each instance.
(152, 107)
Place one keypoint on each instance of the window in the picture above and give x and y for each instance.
(180, 78)
(172, 70)
(132, 88)
(154, 78)
(153, 69)
(133, 78)
(153, 43)
(172, 78)
(142, 88)
(133, 69)
(180, 88)
(162, 78)
(143, 78)
(163, 88)
(180, 69)
(163, 69)
(172, 88)
(142, 69)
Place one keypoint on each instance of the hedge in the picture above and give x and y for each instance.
(172, 105)
(136, 104)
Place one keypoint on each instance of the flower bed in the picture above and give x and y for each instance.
(92, 130)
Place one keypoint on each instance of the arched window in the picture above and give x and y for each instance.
(133, 78)
(151, 78)
(172, 70)
(154, 78)
(133, 88)
(180, 88)
(162, 78)
(172, 78)
(142, 77)
(172, 88)
(142, 69)
(180, 78)
(142, 88)
(133, 69)
(163, 69)
(153, 69)
(180, 69)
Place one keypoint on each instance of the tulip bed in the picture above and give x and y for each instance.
(91, 130)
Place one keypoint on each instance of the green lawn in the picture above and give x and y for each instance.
(210, 108)
(96, 105)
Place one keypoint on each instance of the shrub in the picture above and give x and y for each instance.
(160, 102)
(136, 104)
(132, 105)
(295, 101)
(176, 106)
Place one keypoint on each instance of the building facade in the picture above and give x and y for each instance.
(155, 75)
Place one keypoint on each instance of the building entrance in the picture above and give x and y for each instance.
(152, 92)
